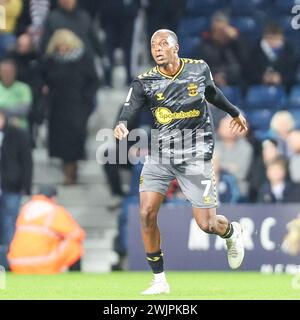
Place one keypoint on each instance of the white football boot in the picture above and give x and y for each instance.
(157, 287)
(235, 247)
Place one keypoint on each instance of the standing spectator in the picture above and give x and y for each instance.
(277, 188)
(15, 96)
(69, 16)
(72, 82)
(223, 49)
(33, 18)
(294, 163)
(235, 154)
(13, 9)
(15, 176)
(114, 15)
(274, 59)
(28, 68)
(282, 123)
(47, 238)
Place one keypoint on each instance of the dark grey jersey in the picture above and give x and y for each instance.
(179, 107)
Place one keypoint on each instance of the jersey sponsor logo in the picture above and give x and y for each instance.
(164, 115)
(160, 96)
(192, 89)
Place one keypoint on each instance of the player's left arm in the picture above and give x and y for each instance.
(215, 96)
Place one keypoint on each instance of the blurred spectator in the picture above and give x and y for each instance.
(69, 16)
(72, 82)
(228, 189)
(282, 123)
(294, 162)
(47, 238)
(278, 188)
(257, 172)
(15, 96)
(15, 177)
(114, 15)
(29, 72)
(163, 14)
(235, 154)
(223, 50)
(273, 60)
(13, 9)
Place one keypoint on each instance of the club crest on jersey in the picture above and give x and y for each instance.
(160, 96)
(207, 200)
(192, 89)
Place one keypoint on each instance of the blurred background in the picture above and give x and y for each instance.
(65, 70)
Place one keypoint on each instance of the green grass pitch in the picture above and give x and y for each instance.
(128, 285)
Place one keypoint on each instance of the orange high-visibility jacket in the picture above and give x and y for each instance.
(47, 239)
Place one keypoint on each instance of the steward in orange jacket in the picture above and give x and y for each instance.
(47, 239)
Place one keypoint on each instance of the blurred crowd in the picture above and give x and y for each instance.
(48, 74)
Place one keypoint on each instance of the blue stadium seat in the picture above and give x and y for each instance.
(266, 97)
(286, 23)
(285, 6)
(294, 98)
(259, 121)
(233, 94)
(192, 26)
(296, 115)
(249, 27)
(188, 46)
(204, 7)
(239, 7)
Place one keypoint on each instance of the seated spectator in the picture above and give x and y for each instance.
(293, 140)
(15, 96)
(277, 188)
(228, 189)
(282, 123)
(223, 50)
(70, 106)
(13, 9)
(47, 238)
(235, 154)
(15, 178)
(273, 60)
(257, 172)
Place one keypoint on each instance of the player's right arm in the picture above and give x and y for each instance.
(134, 102)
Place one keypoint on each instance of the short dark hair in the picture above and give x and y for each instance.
(273, 29)
(278, 161)
(170, 32)
(48, 190)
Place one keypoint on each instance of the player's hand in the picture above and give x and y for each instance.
(239, 124)
(121, 131)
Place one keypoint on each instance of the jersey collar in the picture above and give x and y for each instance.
(175, 75)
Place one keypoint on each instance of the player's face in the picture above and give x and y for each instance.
(163, 48)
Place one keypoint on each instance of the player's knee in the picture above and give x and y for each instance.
(208, 226)
(148, 216)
